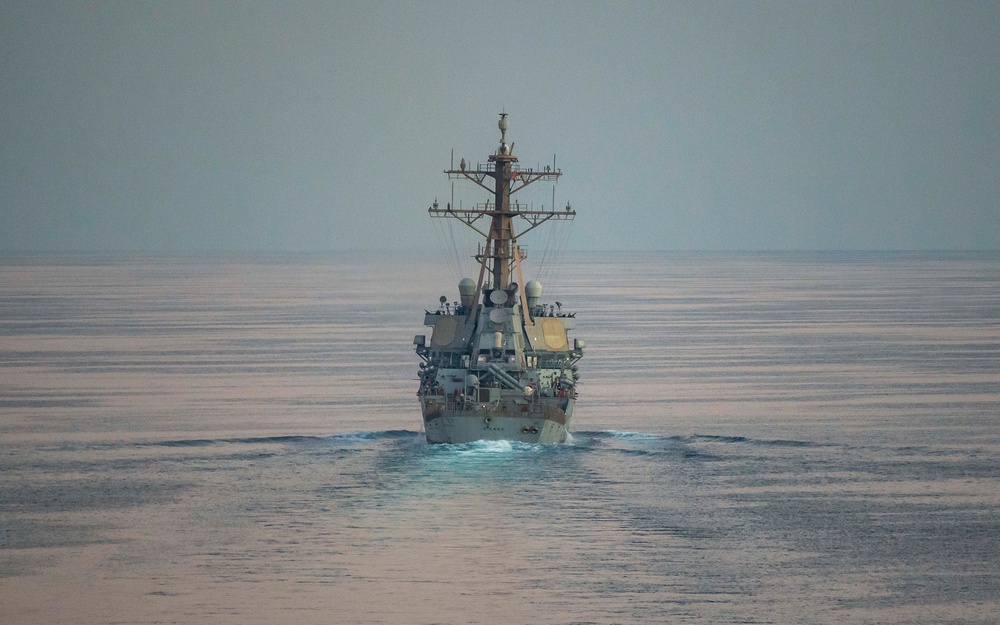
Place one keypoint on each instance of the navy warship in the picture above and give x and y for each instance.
(499, 364)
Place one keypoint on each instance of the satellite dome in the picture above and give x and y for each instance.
(532, 291)
(467, 286)
(466, 291)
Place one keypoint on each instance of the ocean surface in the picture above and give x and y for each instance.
(787, 438)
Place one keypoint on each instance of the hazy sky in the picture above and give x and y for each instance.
(229, 125)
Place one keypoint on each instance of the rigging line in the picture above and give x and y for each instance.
(554, 236)
(550, 241)
(456, 246)
(544, 242)
(544, 255)
(544, 266)
(554, 266)
(437, 237)
(541, 255)
(561, 253)
(454, 250)
(442, 241)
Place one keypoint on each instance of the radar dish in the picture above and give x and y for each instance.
(498, 297)
(498, 315)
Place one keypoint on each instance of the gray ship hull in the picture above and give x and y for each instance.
(453, 422)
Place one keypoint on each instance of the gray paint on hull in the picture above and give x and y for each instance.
(466, 426)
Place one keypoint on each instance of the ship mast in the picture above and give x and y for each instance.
(501, 255)
(501, 231)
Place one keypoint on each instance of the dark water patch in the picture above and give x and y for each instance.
(374, 435)
(191, 442)
(48, 403)
(271, 440)
(777, 442)
(661, 521)
(199, 462)
(929, 452)
(98, 493)
(22, 533)
(876, 531)
(188, 368)
(676, 452)
(701, 455)
(321, 442)
(956, 468)
(71, 465)
(719, 438)
(263, 440)
(21, 538)
(642, 444)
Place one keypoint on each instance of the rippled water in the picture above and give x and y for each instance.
(760, 438)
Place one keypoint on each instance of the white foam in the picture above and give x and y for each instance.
(489, 447)
(632, 435)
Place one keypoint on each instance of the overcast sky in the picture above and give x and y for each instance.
(228, 126)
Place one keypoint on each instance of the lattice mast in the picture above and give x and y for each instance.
(501, 258)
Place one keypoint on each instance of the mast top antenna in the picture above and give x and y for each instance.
(502, 124)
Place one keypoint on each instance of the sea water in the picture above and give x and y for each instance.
(760, 438)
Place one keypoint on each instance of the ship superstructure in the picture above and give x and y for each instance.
(499, 364)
